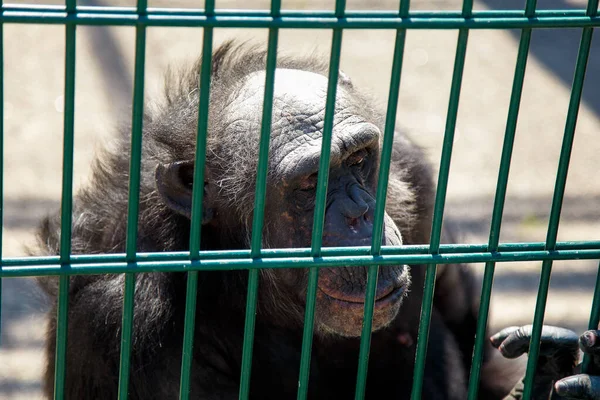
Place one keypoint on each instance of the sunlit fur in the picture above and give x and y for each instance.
(99, 226)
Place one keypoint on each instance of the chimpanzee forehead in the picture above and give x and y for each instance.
(298, 115)
(303, 86)
(299, 99)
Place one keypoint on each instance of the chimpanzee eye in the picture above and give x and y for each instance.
(304, 195)
(310, 183)
(357, 158)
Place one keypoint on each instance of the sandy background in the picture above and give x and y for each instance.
(34, 79)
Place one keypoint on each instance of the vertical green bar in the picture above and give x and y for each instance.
(438, 212)
(1, 158)
(595, 312)
(382, 186)
(66, 206)
(592, 8)
(404, 8)
(503, 173)
(594, 319)
(259, 205)
(319, 214)
(134, 200)
(323, 175)
(265, 136)
(557, 200)
(307, 334)
(197, 197)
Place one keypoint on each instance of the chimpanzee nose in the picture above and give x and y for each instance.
(353, 212)
(357, 208)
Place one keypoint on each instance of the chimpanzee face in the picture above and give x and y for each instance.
(297, 129)
(295, 147)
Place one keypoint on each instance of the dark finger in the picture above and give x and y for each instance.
(581, 387)
(499, 337)
(554, 342)
(516, 343)
(589, 342)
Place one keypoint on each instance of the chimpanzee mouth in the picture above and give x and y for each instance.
(342, 292)
(392, 285)
(389, 298)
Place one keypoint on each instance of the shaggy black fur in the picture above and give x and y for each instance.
(99, 226)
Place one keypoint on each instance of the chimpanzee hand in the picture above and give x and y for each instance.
(557, 363)
(584, 386)
(557, 357)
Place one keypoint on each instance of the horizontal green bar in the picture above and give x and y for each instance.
(190, 11)
(295, 262)
(298, 252)
(441, 21)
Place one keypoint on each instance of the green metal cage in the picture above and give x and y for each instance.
(71, 15)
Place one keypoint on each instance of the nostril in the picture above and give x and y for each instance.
(362, 211)
(352, 222)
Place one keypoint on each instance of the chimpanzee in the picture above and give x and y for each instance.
(99, 226)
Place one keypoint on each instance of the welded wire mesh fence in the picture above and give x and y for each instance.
(143, 18)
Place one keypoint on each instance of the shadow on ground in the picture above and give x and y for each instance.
(474, 216)
(553, 46)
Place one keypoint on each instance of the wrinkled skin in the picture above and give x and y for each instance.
(298, 104)
(559, 370)
(167, 171)
(298, 110)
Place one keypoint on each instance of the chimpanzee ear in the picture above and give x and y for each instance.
(174, 182)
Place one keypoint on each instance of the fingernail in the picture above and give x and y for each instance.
(502, 349)
(494, 340)
(588, 339)
(560, 387)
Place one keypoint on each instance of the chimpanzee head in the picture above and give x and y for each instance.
(298, 114)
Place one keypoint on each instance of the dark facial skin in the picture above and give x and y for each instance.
(298, 115)
(295, 147)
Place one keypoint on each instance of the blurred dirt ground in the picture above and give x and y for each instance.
(34, 79)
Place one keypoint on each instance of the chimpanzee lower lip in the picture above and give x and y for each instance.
(389, 298)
